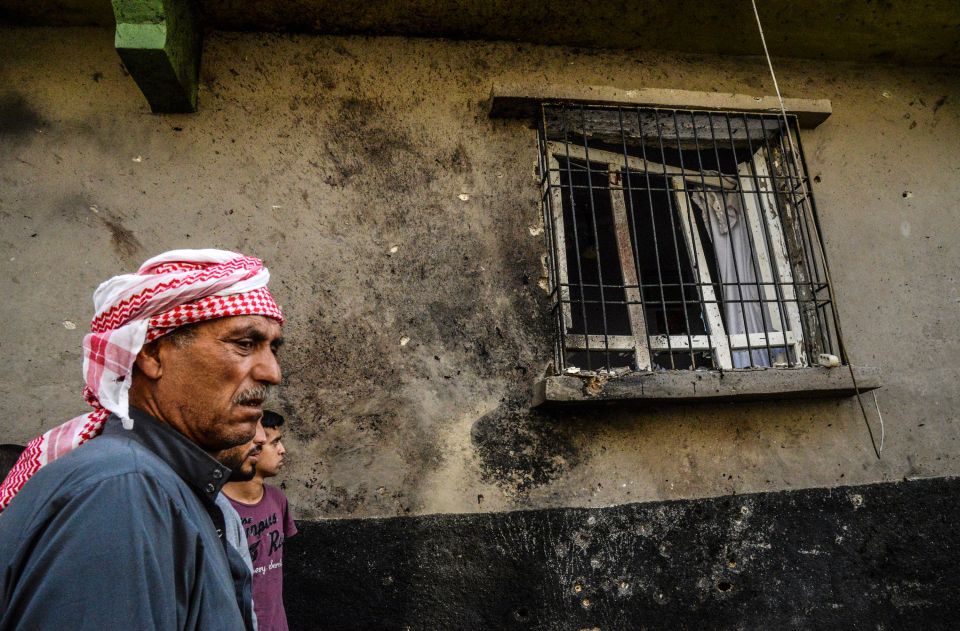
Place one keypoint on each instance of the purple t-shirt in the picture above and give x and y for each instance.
(267, 523)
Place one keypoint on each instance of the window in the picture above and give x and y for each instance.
(680, 239)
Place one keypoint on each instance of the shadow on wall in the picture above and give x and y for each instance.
(18, 120)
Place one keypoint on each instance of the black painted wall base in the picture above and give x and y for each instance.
(878, 556)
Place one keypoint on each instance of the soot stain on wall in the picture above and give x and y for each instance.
(367, 147)
(866, 557)
(124, 241)
(521, 449)
(78, 209)
(463, 285)
(18, 119)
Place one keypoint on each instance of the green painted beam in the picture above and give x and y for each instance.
(159, 42)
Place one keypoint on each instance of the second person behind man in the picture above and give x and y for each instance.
(267, 522)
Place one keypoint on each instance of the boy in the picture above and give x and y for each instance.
(266, 519)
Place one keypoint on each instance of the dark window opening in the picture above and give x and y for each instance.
(596, 285)
(670, 289)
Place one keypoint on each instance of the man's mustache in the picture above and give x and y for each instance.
(252, 395)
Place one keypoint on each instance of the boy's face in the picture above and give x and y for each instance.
(272, 455)
(243, 459)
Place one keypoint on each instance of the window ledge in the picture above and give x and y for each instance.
(524, 101)
(705, 385)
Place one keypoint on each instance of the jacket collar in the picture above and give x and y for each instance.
(194, 465)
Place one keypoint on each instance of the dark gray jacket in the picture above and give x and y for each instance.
(122, 533)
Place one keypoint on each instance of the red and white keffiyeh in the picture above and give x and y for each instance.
(168, 291)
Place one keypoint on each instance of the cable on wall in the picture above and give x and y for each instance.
(836, 320)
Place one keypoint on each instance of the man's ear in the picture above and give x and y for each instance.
(148, 361)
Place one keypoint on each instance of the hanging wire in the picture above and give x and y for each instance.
(823, 254)
(877, 405)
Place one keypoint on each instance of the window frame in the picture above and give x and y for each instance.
(778, 296)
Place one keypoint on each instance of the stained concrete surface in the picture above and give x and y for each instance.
(323, 154)
(882, 556)
(682, 386)
(911, 31)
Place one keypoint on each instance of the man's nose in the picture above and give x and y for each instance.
(260, 437)
(267, 369)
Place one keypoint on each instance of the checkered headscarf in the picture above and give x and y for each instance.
(168, 291)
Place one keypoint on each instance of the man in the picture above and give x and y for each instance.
(265, 516)
(233, 530)
(123, 531)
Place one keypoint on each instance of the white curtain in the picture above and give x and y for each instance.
(742, 309)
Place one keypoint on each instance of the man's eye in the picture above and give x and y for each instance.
(245, 344)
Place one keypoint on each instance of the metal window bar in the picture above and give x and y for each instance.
(795, 284)
(726, 221)
(656, 247)
(790, 178)
(726, 225)
(596, 241)
(763, 254)
(812, 223)
(638, 319)
(553, 244)
(771, 257)
(709, 222)
(577, 257)
(672, 205)
(634, 179)
(752, 254)
(714, 312)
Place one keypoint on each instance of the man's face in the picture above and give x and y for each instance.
(211, 388)
(242, 460)
(272, 457)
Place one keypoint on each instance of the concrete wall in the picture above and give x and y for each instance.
(322, 154)
(893, 30)
(880, 556)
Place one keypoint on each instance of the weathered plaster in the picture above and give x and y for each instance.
(644, 388)
(880, 556)
(390, 207)
(526, 100)
(892, 30)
